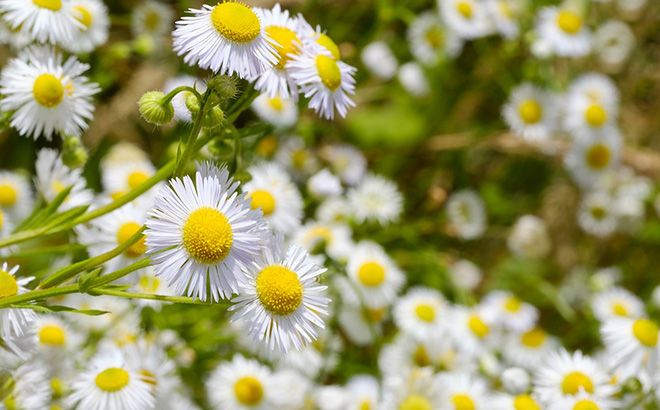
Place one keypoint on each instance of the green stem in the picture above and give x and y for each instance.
(37, 294)
(28, 253)
(182, 161)
(148, 296)
(120, 273)
(177, 90)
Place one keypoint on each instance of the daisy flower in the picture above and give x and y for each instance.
(296, 157)
(564, 375)
(334, 210)
(151, 18)
(375, 275)
(278, 111)
(467, 214)
(375, 199)
(151, 361)
(529, 237)
(241, 384)
(421, 312)
(94, 25)
(378, 58)
(616, 303)
(415, 389)
(518, 402)
(590, 159)
(228, 38)
(47, 96)
(181, 111)
(465, 274)
(411, 76)
(363, 392)
(13, 322)
(467, 18)
(564, 31)
(583, 401)
(110, 381)
(325, 80)
(45, 21)
(591, 106)
(331, 238)
(346, 161)
(430, 40)
(631, 345)
(118, 179)
(614, 42)
(280, 298)
(324, 184)
(461, 391)
(148, 282)
(56, 339)
(53, 177)
(16, 197)
(408, 353)
(30, 388)
(531, 113)
(596, 215)
(472, 329)
(510, 312)
(357, 324)
(272, 191)
(505, 15)
(199, 233)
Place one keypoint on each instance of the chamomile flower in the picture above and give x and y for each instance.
(564, 375)
(13, 322)
(583, 401)
(324, 184)
(510, 312)
(198, 234)
(377, 278)
(346, 161)
(411, 76)
(111, 381)
(363, 392)
(151, 361)
(16, 197)
(331, 238)
(334, 210)
(281, 112)
(181, 111)
(462, 391)
(467, 18)
(94, 25)
(53, 177)
(517, 402)
(531, 113)
(467, 214)
(596, 215)
(414, 389)
(227, 38)
(327, 82)
(151, 18)
(45, 21)
(592, 106)
(296, 157)
(616, 303)
(422, 313)
(591, 159)
(273, 193)
(241, 384)
(120, 178)
(472, 329)
(280, 298)
(430, 40)
(147, 282)
(56, 339)
(46, 94)
(375, 199)
(564, 31)
(505, 15)
(357, 324)
(631, 345)
(378, 59)
(30, 388)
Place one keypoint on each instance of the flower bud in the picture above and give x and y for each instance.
(226, 87)
(214, 118)
(74, 154)
(154, 109)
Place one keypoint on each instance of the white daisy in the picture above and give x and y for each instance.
(324, 184)
(47, 96)
(515, 380)
(631, 345)
(53, 177)
(280, 112)
(227, 38)
(110, 381)
(326, 81)
(45, 21)
(415, 389)
(346, 161)
(359, 328)
(30, 388)
(378, 59)
(616, 303)
(331, 238)
(467, 214)
(591, 158)
(467, 18)
(465, 274)
(591, 106)
(16, 197)
(147, 282)
(121, 178)
(430, 40)
(241, 384)
(273, 193)
(510, 312)
(377, 199)
(94, 25)
(564, 31)
(281, 299)
(472, 329)
(614, 42)
(56, 339)
(529, 237)
(505, 15)
(376, 276)
(461, 391)
(531, 113)
(334, 210)
(422, 313)
(151, 18)
(411, 76)
(13, 322)
(596, 215)
(181, 111)
(363, 393)
(197, 235)
(151, 361)
(583, 401)
(296, 157)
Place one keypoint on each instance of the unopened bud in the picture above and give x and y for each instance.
(214, 118)
(226, 87)
(154, 109)
(74, 155)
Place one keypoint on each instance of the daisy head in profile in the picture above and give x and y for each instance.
(16, 197)
(281, 299)
(199, 232)
(43, 21)
(228, 38)
(46, 94)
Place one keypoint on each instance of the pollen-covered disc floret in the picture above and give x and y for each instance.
(47, 95)
(200, 232)
(228, 38)
(280, 299)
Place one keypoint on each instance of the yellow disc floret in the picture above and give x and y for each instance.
(525, 402)
(53, 5)
(136, 178)
(620, 309)
(8, 195)
(264, 200)
(576, 381)
(425, 312)
(326, 42)
(465, 9)
(84, 16)
(8, 284)
(329, 72)
(52, 335)
(279, 290)
(598, 156)
(207, 235)
(646, 332)
(533, 338)
(569, 21)
(462, 402)
(236, 22)
(530, 111)
(112, 379)
(371, 274)
(125, 232)
(416, 402)
(512, 304)
(48, 90)
(287, 42)
(249, 391)
(478, 326)
(276, 103)
(595, 115)
(585, 404)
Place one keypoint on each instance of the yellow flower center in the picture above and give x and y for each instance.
(262, 199)
(287, 43)
(598, 156)
(52, 335)
(151, 20)
(136, 178)
(525, 402)
(48, 90)
(268, 145)
(505, 9)
(530, 111)
(320, 233)
(125, 232)
(112, 379)
(53, 5)
(598, 212)
(375, 315)
(365, 405)
(207, 235)
(575, 381)
(533, 338)
(595, 115)
(84, 16)
(8, 195)
(249, 390)
(646, 332)
(328, 71)
(279, 290)
(512, 304)
(416, 402)
(326, 42)
(371, 274)
(276, 103)
(8, 285)
(585, 404)
(236, 22)
(569, 21)
(478, 326)
(425, 312)
(148, 283)
(435, 37)
(2, 219)
(299, 158)
(57, 386)
(463, 402)
(421, 357)
(619, 309)
(465, 9)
